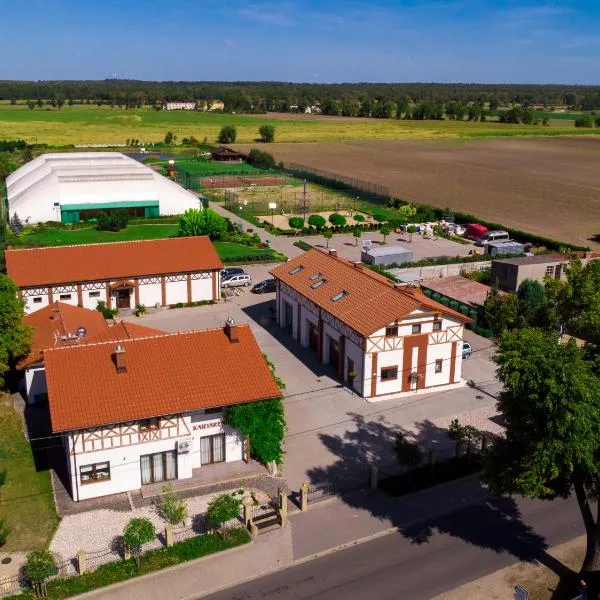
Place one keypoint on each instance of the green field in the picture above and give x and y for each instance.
(204, 168)
(32, 237)
(105, 125)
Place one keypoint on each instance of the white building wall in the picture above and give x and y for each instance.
(356, 354)
(202, 290)
(391, 358)
(176, 291)
(150, 293)
(329, 332)
(441, 352)
(35, 383)
(29, 306)
(306, 317)
(90, 299)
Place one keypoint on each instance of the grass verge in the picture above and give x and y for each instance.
(27, 502)
(154, 560)
(231, 253)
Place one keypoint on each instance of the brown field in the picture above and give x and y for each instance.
(548, 186)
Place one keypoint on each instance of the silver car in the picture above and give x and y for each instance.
(237, 280)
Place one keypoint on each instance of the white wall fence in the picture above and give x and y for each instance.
(436, 271)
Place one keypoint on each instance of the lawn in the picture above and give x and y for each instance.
(26, 500)
(105, 125)
(50, 236)
(205, 168)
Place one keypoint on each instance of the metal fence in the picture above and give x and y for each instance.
(232, 179)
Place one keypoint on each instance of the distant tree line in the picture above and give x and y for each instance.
(349, 99)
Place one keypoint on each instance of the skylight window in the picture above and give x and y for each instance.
(296, 269)
(315, 276)
(339, 296)
(318, 284)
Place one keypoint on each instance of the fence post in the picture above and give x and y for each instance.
(253, 530)
(304, 497)
(373, 477)
(283, 507)
(247, 504)
(169, 534)
(81, 562)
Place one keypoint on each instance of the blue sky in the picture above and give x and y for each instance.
(303, 40)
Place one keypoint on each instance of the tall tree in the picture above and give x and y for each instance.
(202, 222)
(533, 302)
(551, 406)
(227, 134)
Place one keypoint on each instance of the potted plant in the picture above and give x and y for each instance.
(140, 310)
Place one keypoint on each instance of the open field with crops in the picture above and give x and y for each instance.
(546, 186)
(89, 124)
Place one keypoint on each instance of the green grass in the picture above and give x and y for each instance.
(49, 236)
(203, 168)
(27, 502)
(152, 561)
(105, 125)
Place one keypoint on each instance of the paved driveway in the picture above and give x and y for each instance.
(333, 433)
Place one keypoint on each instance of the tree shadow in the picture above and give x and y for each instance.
(489, 522)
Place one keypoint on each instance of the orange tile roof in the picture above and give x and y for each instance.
(166, 374)
(56, 325)
(53, 323)
(118, 260)
(372, 302)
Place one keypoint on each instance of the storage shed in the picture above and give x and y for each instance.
(386, 255)
(505, 249)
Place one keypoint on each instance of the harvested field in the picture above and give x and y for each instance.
(548, 186)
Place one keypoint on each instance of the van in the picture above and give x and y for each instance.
(236, 280)
(492, 236)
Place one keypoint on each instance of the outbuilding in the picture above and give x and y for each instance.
(386, 255)
(121, 274)
(225, 154)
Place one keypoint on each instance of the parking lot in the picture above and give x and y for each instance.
(332, 432)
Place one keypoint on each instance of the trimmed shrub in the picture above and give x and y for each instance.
(337, 220)
(296, 222)
(317, 221)
(380, 217)
(436, 296)
(359, 218)
(445, 301)
(427, 292)
(453, 304)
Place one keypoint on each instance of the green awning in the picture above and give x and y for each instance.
(104, 205)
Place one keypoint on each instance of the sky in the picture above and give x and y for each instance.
(329, 41)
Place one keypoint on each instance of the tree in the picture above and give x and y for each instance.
(380, 217)
(115, 221)
(264, 422)
(16, 224)
(137, 533)
(227, 134)
(317, 221)
(501, 311)
(410, 230)
(31, 104)
(107, 313)
(551, 406)
(172, 507)
(205, 221)
(261, 159)
(327, 235)
(533, 302)
(296, 223)
(170, 138)
(385, 231)
(408, 453)
(222, 509)
(267, 133)
(357, 233)
(39, 567)
(337, 220)
(15, 337)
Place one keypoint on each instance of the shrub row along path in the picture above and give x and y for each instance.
(458, 527)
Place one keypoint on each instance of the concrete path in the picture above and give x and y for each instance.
(325, 528)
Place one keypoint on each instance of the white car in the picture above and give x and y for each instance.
(237, 280)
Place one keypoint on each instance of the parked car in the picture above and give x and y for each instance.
(237, 280)
(229, 271)
(473, 231)
(466, 350)
(492, 236)
(265, 286)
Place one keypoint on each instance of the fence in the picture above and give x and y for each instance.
(231, 179)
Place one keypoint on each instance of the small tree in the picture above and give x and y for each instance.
(222, 509)
(202, 222)
(410, 230)
(357, 233)
(137, 533)
(4, 531)
(267, 133)
(40, 566)
(170, 138)
(317, 221)
(16, 224)
(359, 218)
(327, 235)
(385, 231)
(172, 507)
(227, 134)
(107, 313)
(337, 220)
(296, 223)
(408, 453)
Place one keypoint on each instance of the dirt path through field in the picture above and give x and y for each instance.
(549, 186)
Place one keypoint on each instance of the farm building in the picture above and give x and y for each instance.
(381, 339)
(225, 154)
(179, 106)
(60, 324)
(386, 255)
(140, 412)
(122, 274)
(509, 273)
(458, 292)
(73, 187)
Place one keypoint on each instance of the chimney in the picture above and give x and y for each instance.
(357, 264)
(333, 252)
(119, 359)
(231, 330)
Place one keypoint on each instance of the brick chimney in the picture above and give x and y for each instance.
(231, 330)
(119, 359)
(357, 264)
(333, 252)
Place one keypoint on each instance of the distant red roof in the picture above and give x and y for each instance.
(115, 261)
(165, 374)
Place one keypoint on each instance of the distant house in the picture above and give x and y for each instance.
(461, 293)
(59, 325)
(179, 106)
(225, 154)
(509, 273)
(216, 105)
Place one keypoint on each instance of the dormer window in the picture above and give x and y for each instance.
(296, 270)
(315, 276)
(339, 296)
(318, 284)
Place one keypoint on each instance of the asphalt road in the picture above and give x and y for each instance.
(426, 560)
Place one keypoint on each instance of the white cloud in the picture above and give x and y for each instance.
(227, 42)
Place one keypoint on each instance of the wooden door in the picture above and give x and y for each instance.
(410, 343)
(313, 337)
(124, 298)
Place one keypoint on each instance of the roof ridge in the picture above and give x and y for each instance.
(146, 337)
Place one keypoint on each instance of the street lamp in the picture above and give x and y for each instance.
(272, 206)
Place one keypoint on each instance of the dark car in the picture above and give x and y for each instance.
(265, 286)
(229, 271)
